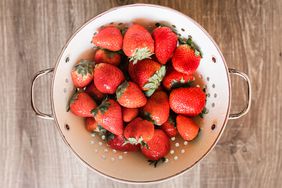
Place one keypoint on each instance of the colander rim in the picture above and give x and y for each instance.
(73, 150)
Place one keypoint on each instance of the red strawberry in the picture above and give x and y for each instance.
(109, 38)
(169, 127)
(187, 128)
(130, 70)
(158, 146)
(81, 104)
(107, 78)
(94, 92)
(82, 73)
(187, 101)
(129, 95)
(165, 43)
(91, 125)
(108, 114)
(174, 79)
(118, 143)
(148, 74)
(139, 131)
(128, 114)
(138, 43)
(106, 56)
(160, 88)
(186, 58)
(157, 108)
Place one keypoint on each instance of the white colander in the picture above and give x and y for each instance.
(133, 167)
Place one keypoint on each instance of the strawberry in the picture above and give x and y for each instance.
(129, 95)
(128, 114)
(165, 43)
(139, 131)
(109, 38)
(158, 146)
(91, 125)
(108, 114)
(118, 143)
(81, 104)
(138, 43)
(106, 56)
(107, 78)
(169, 127)
(175, 79)
(157, 108)
(186, 58)
(187, 101)
(94, 92)
(82, 73)
(130, 70)
(187, 128)
(148, 74)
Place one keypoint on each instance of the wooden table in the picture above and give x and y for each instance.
(32, 34)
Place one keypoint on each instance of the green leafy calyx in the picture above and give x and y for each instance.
(192, 44)
(103, 132)
(148, 117)
(109, 53)
(171, 120)
(135, 141)
(156, 162)
(165, 25)
(102, 108)
(123, 30)
(180, 83)
(73, 99)
(84, 67)
(140, 54)
(204, 112)
(109, 136)
(154, 81)
(121, 89)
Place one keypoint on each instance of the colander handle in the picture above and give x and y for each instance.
(249, 94)
(35, 109)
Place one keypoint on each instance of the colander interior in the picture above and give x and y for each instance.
(133, 167)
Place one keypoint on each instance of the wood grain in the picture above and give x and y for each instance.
(32, 34)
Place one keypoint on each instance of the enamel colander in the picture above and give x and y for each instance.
(213, 74)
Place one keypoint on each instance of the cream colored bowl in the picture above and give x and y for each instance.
(133, 167)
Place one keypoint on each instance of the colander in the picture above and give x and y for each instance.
(212, 74)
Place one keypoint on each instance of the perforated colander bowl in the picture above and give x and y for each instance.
(133, 167)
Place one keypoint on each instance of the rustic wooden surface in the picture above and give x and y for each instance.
(32, 34)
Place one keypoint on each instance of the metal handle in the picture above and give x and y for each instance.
(249, 94)
(35, 109)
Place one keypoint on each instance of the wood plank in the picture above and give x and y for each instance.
(32, 34)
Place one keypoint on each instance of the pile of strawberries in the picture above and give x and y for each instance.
(138, 90)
